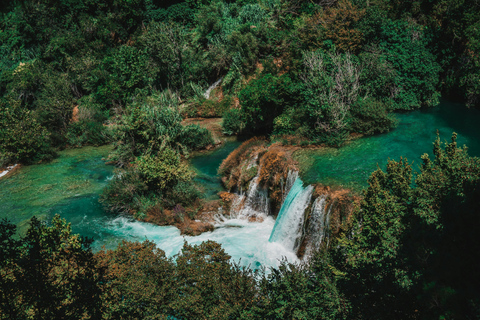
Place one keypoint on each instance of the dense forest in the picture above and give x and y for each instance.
(128, 72)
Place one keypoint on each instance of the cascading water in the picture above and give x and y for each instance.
(318, 225)
(254, 204)
(289, 224)
(213, 86)
(291, 177)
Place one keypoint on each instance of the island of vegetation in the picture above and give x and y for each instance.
(283, 76)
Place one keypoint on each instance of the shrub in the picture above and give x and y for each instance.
(233, 122)
(86, 132)
(120, 193)
(195, 137)
(264, 99)
(163, 170)
(184, 193)
(371, 116)
(22, 138)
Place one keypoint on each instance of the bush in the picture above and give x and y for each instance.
(22, 138)
(120, 193)
(163, 170)
(371, 116)
(86, 132)
(406, 48)
(195, 137)
(264, 99)
(233, 122)
(184, 193)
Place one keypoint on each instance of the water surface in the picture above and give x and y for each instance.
(352, 164)
(206, 165)
(70, 186)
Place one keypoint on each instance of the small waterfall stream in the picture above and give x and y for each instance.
(318, 224)
(213, 86)
(255, 204)
(288, 227)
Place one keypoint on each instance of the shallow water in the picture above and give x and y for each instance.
(351, 165)
(206, 165)
(70, 185)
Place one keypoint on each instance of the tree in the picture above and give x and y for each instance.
(209, 286)
(264, 99)
(410, 253)
(48, 274)
(22, 138)
(139, 281)
(300, 292)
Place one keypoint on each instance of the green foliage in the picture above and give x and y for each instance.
(410, 243)
(163, 170)
(87, 126)
(122, 192)
(49, 273)
(233, 122)
(166, 47)
(332, 86)
(147, 125)
(405, 47)
(128, 73)
(22, 138)
(140, 281)
(195, 137)
(202, 283)
(264, 99)
(222, 290)
(184, 193)
(300, 292)
(371, 116)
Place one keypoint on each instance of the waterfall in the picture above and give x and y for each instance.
(291, 177)
(289, 224)
(318, 224)
(254, 204)
(213, 86)
(7, 170)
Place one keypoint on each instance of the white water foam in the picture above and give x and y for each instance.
(255, 204)
(288, 228)
(213, 86)
(5, 172)
(318, 225)
(244, 241)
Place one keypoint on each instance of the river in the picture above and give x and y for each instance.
(70, 185)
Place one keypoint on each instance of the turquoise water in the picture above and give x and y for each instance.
(206, 166)
(68, 185)
(352, 164)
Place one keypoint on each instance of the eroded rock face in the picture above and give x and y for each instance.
(329, 214)
(258, 177)
(266, 167)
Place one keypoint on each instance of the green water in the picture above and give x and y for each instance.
(206, 165)
(68, 185)
(352, 164)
